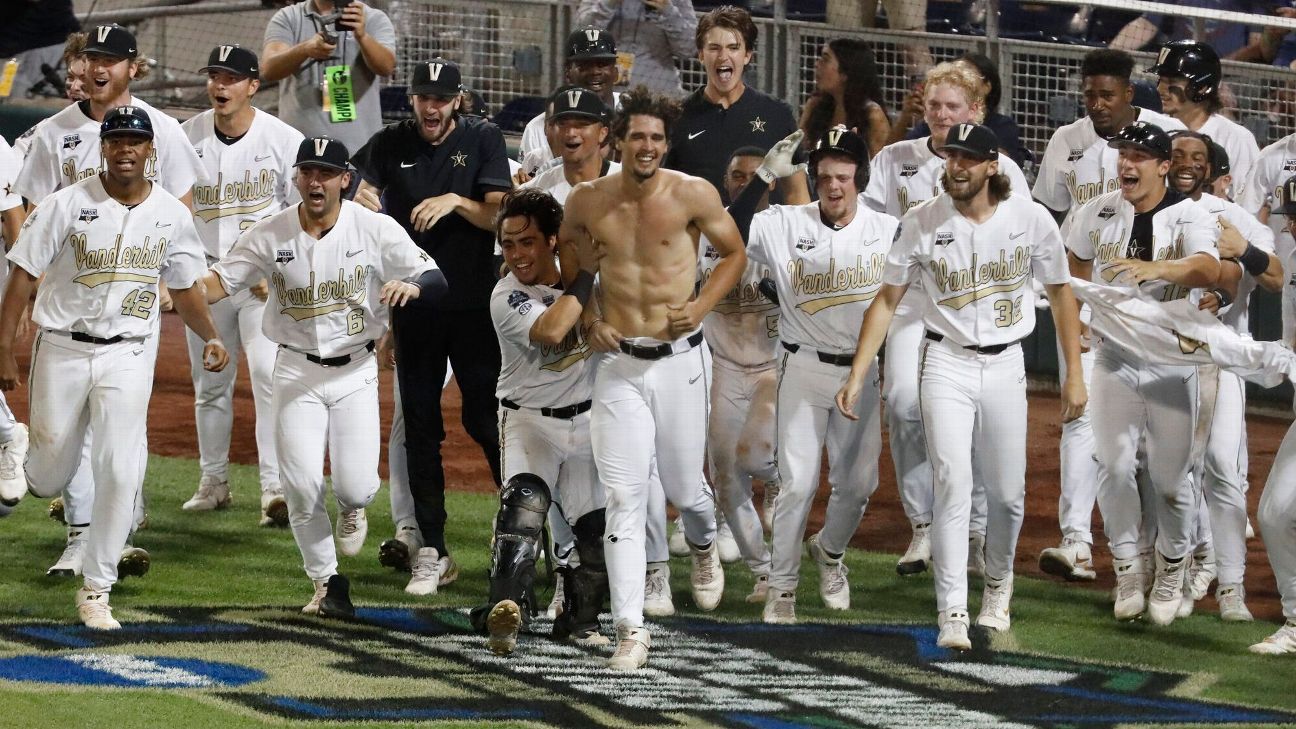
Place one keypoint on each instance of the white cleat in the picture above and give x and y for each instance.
(213, 493)
(94, 610)
(677, 544)
(833, 585)
(767, 505)
(274, 509)
(953, 630)
(726, 543)
(1283, 641)
(1072, 561)
(352, 527)
(1232, 604)
(976, 555)
(707, 579)
(556, 604)
(1167, 590)
(759, 591)
(321, 589)
(1130, 600)
(631, 651)
(1201, 574)
(658, 601)
(430, 571)
(780, 608)
(13, 477)
(69, 563)
(502, 626)
(996, 599)
(918, 555)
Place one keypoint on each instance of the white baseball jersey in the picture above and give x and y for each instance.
(1078, 165)
(978, 276)
(826, 278)
(10, 165)
(1253, 231)
(240, 183)
(102, 260)
(1240, 144)
(554, 181)
(743, 326)
(534, 147)
(65, 149)
(323, 292)
(907, 173)
(1275, 165)
(1100, 232)
(22, 143)
(534, 375)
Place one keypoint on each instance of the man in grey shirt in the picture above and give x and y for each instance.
(651, 34)
(329, 77)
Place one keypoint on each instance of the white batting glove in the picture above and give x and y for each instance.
(778, 161)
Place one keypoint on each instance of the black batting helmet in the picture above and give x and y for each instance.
(1195, 61)
(590, 42)
(843, 142)
(1141, 135)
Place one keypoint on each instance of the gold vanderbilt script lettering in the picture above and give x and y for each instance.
(317, 299)
(829, 286)
(558, 357)
(103, 265)
(997, 276)
(223, 198)
(1085, 191)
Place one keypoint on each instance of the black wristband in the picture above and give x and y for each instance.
(1254, 260)
(1223, 297)
(582, 287)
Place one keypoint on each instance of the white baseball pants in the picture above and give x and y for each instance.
(1224, 479)
(740, 445)
(1078, 490)
(904, 419)
(1277, 517)
(558, 451)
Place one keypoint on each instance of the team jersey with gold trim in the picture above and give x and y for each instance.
(240, 183)
(1077, 165)
(1100, 230)
(10, 165)
(978, 277)
(65, 149)
(554, 182)
(323, 292)
(1275, 165)
(1240, 144)
(537, 375)
(826, 278)
(1254, 232)
(743, 326)
(907, 173)
(102, 260)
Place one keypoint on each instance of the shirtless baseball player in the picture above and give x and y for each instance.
(245, 174)
(651, 392)
(334, 267)
(976, 249)
(104, 245)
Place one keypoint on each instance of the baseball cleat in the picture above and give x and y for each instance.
(1167, 589)
(274, 509)
(312, 607)
(352, 527)
(590, 639)
(707, 579)
(658, 601)
(213, 493)
(1232, 604)
(918, 555)
(1072, 561)
(94, 610)
(953, 630)
(425, 572)
(760, 590)
(976, 555)
(1201, 574)
(13, 477)
(503, 624)
(1283, 641)
(556, 604)
(780, 608)
(56, 510)
(1130, 601)
(677, 544)
(336, 602)
(726, 544)
(69, 563)
(996, 598)
(398, 552)
(631, 651)
(833, 585)
(767, 506)
(133, 562)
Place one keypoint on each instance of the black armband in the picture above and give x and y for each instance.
(1254, 260)
(1223, 297)
(582, 288)
(432, 285)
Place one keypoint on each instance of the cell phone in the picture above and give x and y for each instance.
(339, 6)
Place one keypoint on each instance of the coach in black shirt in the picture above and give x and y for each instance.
(441, 175)
(726, 114)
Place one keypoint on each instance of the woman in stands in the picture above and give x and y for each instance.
(847, 91)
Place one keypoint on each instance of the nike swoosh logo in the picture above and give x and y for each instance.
(695, 379)
(1015, 236)
(407, 166)
(694, 135)
(161, 225)
(262, 158)
(369, 381)
(354, 253)
(1180, 221)
(1189, 377)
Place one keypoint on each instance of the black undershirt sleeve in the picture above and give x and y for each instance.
(743, 209)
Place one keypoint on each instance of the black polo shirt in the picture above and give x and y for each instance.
(471, 161)
(707, 133)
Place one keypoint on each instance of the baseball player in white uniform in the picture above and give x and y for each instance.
(905, 174)
(977, 250)
(245, 175)
(1263, 193)
(1153, 239)
(826, 259)
(327, 260)
(103, 245)
(1078, 166)
(13, 435)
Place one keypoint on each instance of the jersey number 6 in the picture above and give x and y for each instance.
(355, 321)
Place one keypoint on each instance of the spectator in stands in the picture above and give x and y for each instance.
(33, 33)
(900, 15)
(591, 63)
(653, 34)
(328, 64)
(1275, 46)
(1153, 30)
(847, 91)
(1004, 126)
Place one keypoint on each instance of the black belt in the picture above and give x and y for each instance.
(337, 361)
(841, 360)
(83, 337)
(657, 351)
(994, 349)
(566, 413)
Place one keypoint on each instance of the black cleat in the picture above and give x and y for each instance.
(395, 554)
(134, 562)
(337, 600)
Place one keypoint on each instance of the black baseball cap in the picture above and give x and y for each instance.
(976, 140)
(323, 152)
(590, 43)
(1219, 159)
(576, 101)
(1288, 194)
(126, 120)
(1141, 135)
(437, 77)
(111, 40)
(238, 61)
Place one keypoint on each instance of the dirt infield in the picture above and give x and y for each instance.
(885, 528)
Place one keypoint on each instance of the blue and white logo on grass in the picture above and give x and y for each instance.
(102, 669)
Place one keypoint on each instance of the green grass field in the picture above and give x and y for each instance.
(222, 560)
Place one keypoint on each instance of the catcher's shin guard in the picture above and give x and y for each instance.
(519, 526)
(586, 587)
